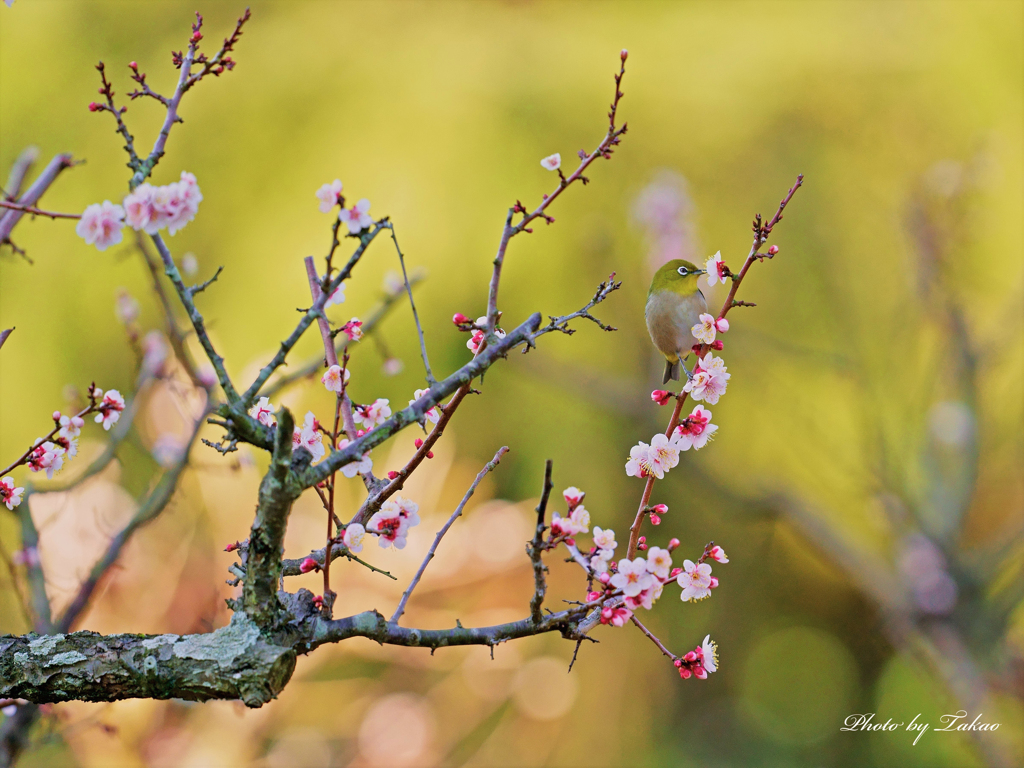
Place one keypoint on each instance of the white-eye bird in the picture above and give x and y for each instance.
(674, 306)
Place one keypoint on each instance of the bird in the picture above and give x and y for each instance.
(674, 306)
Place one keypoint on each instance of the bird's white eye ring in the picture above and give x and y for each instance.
(683, 271)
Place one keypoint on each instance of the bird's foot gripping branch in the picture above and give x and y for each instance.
(252, 658)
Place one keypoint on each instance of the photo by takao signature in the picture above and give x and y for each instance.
(957, 722)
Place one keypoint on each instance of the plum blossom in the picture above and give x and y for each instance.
(617, 617)
(358, 467)
(151, 209)
(101, 225)
(696, 430)
(71, 426)
(10, 495)
(334, 378)
(632, 577)
(573, 496)
(552, 162)
(638, 463)
(716, 269)
(407, 508)
(110, 408)
(434, 414)
(328, 195)
(646, 598)
(704, 331)
(307, 565)
(372, 415)
(661, 396)
(389, 525)
(695, 581)
(356, 218)
(604, 538)
(580, 518)
(309, 437)
(126, 307)
(353, 538)
(655, 459)
(659, 562)
(709, 654)
(337, 297)
(710, 379)
(599, 561)
(48, 456)
(476, 341)
(139, 208)
(353, 329)
(565, 526)
(263, 412)
(717, 553)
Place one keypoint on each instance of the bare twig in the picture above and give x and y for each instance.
(536, 548)
(444, 529)
(4, 334)
(32, 211)
(415, 316)
(651, 636)
(34, 192)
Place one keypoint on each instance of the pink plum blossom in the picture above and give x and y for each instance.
(716, 269)
(353, 538)
(663, 455)
(407, 508)
(573, 496)
(328, 195)
(353, 329)
(110, 408)
(604, 538)
(717, 553)
(710, 379)
(704, 331)
(580, 519)
(552, 162)
(309, 437)
(632, 577)
(101, 224)
(696, 430)
(46, 456)
(337, 297)
(263, 412)
(10, 495)
(390, 526)
(647, 597)
(372, 415)
(358, 467)
(695, 581)
(639, 464)
(722, 325)
(334, 377)
(356, 218)
(617, 617)
(599, 562)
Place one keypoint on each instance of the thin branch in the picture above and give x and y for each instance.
(24, 457)
(38, 211)
(415, 316)
(34, 192)
(651, 636)
(293, 567)
(33, 567)
(489, 466)
(4, 334)
(536, 548)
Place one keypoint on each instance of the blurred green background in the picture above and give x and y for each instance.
(866, 480)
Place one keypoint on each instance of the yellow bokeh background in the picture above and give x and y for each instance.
(836, 465)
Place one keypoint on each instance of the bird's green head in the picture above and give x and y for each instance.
(678, 276)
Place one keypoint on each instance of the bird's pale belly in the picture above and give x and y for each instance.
(670, 318)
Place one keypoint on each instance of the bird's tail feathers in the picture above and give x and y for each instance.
(671, 371)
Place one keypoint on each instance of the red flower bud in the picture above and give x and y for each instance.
(93, 106)
(675, 572)
(678, 662)
(460, 318)
(418, 443)
(660, 396)
(690, 657)
(232, 547)
(695, 349)
(392, 475)
(773, 250)
(717, 344)
(133, 65)
(684, 672)
(673, 544)
(592, 596)
(642, 543)
(655, 520)
(661, 509)
(307, 565)
(624, 54)
(430, 454)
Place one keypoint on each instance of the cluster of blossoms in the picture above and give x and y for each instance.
(577, 519)
(391, 523)
(705, 330)
(700, 661)
(434, 414)
(355, 218)
(309, 436)
(372, 415)
(147, 209)
(478, 329)
(109, 408)
(662, 454)
(709, 380)
(9, 494)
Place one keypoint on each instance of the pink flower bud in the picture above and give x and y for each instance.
(717, 344)
(655, 520)
(418, 443)
(459, 318)
(624, 54)
(773, 250)
(722, 325)
(673, 544)
(690, 657)
(661, 509)
(392, 475)
(604, 578)
(714, 582)
(232, 547)
(660, 396)
(309, 564)
(684, 672)
(642, 543)
(318, 602)
(133, 65)
(592, 596)
(718, 554)
(93, 106)
(430, 454)
(678, 662)
(56, 415)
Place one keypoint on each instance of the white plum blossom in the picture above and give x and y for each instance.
(9, 494)
(263, 412)
(663, 455)
(353, 538)
(659, 562)
(101, 225)
(476, 341)
(46, 456)
(580, 519)
(564, 526)
(695, 581)
(407, 508)
(328, 195)
(389, 525)
(358, 467)
(356, 218)
(338, 297)
(709, 653)
(599, 562)
(552, 162)
(710, 379)
(717, 553)
(573, 496)
(638, 464)
(604, 538)
(372, 415)
(309, 437)
(110, 408)
(705, 330)
(696, 430)
(646, 598)
(334, 378)
(433, 415)
(71, 426)
(632, 577)
(715, 268)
